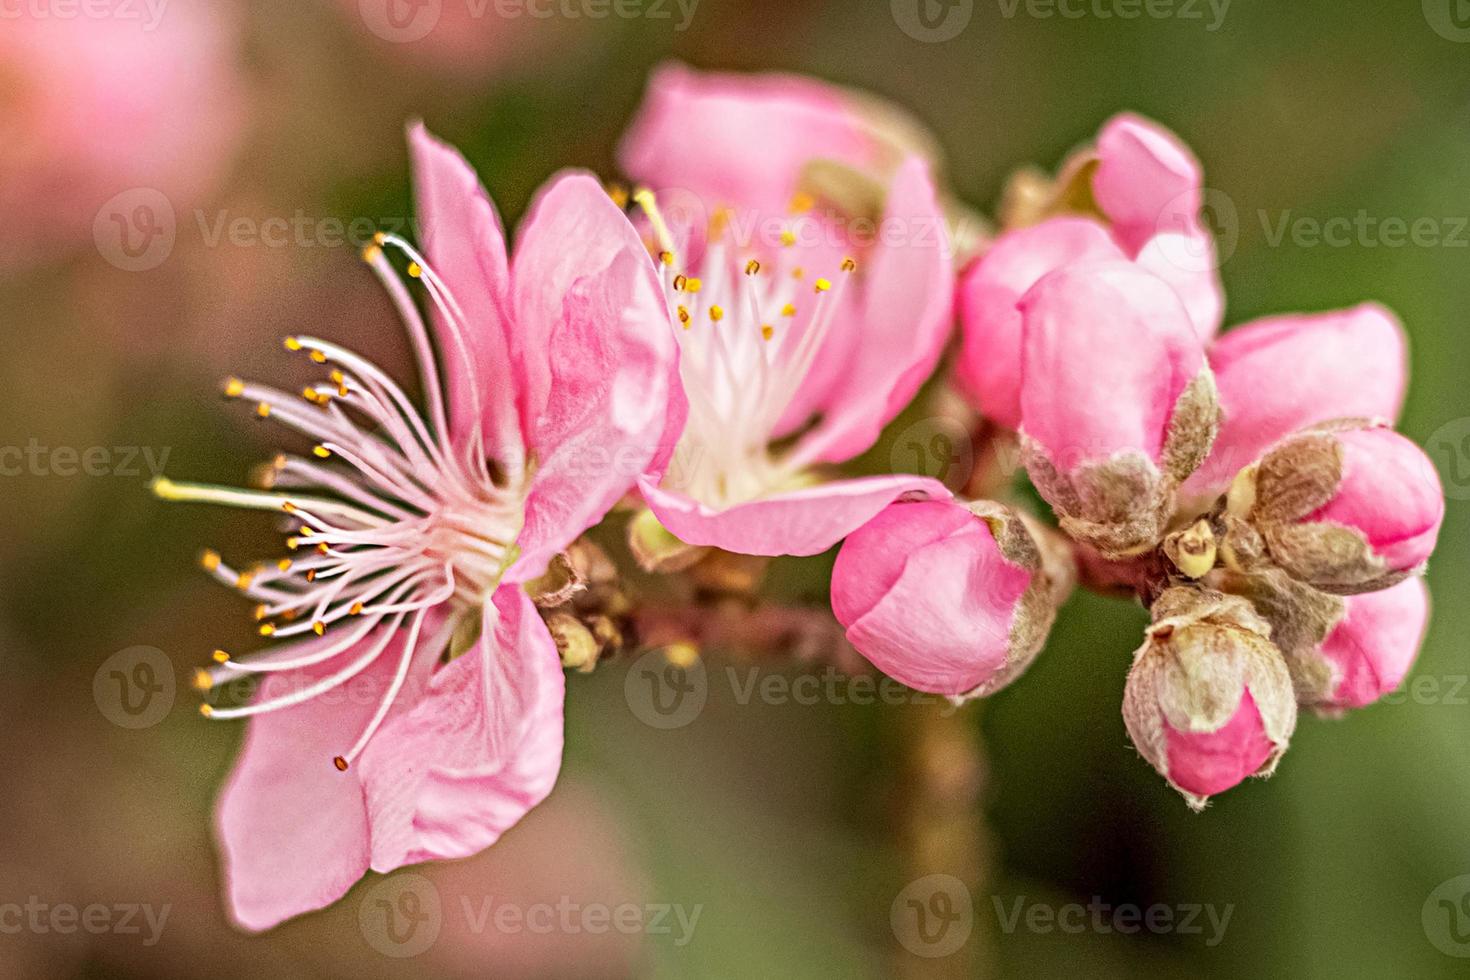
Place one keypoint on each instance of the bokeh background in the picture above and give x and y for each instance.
(272, 129)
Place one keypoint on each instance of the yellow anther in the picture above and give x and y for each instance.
(279, 462)
(789, 309)
(798, 272)
(306, 532)
(823, 285)
(684, 316)
(680, 281)
(767, 331)
(260, 612)
(371, 254)
(202, 680)
(243, 580)
(311, 575)
(289, 508)
(667, 258)
(356, 609)
(206, 710)
(618, 193)
(681, 654)
(234, 388)
(292, 544)
(319, 357)
(263, 410)
(788, 238)
(321, 452)
(210, 560)
(267, 629)
(318, 627)
(284, 564)
(802, 202)
(220, 657)
(849, 264)
(752, 267)
(323, 549)
(718, 221)
(290, 615)
(692, 284)
(716, 313)
(415, 270)
(292, 344)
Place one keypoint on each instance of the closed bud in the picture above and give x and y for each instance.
(1118, 406)
(949, 599)
(1348, 507)
(1209, 700)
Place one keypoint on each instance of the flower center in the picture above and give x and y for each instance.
(394, 526)
(750, 322)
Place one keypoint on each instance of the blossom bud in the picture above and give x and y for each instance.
(1118, 405)
(949, 599)
(1209, 700)
(1347, 507)
(1373, 646)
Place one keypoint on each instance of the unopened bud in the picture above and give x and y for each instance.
(1119, 406)
(1349, 507)
(579, 649)
(1209, 700)
(948, 599)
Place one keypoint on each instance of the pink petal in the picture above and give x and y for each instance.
(1147, 181)
(905, 317)
(1281, 374)
(1206, 763)
(801, 522)
(1107, 351)
(989, 365)
(461, 235)
(598, 359)
(1376, 643)
(926, 596)
(293, 830)
(480, 750)
(1391, 492)
(1187, 261)
(698, 132)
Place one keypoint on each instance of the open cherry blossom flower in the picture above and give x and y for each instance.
(1135, 196)
(800, 334)
(411, 708)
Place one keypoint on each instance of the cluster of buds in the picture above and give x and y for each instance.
(710, 368)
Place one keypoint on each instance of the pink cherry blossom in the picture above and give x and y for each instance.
(802, 325)
(414, 710)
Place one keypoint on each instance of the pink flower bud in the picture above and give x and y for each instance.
(1118, 405)
(1347, 508)
(1147, 181)
(1209, 700)
(1282, 374)
(989, 365)
(948, 599)
(1372, 648)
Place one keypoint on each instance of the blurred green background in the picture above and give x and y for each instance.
(780, 822)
